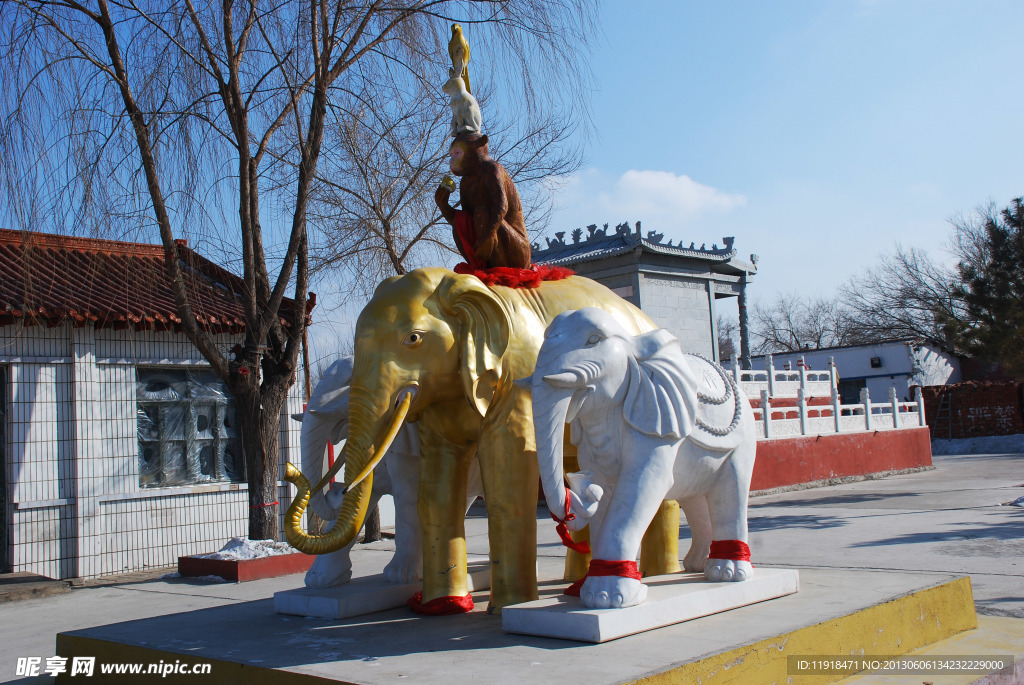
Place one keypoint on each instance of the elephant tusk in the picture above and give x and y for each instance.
(565, 379)
(331, 473)
(396, 424)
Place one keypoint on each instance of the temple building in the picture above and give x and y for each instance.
(119, 446)
(677, 286)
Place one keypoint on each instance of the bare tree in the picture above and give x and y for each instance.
(907, 295)
(378, 179)
(793, 324)
(728, 336)
(165, 113)
(969, 242)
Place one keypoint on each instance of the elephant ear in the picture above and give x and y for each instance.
(661, 399)
(484, 326)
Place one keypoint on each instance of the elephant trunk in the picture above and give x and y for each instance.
(365, 434)
(549, 423)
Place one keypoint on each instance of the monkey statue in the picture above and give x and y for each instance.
(489, 230)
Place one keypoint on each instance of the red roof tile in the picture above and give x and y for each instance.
(49, 279)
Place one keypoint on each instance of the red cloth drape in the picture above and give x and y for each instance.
(466, 236)
(516, 278)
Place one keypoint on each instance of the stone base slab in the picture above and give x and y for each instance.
(247, 643)
(670, 599)
(366, 595)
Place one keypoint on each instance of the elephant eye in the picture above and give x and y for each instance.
(594, 339)
(413, 339)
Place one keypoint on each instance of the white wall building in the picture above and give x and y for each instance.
(118, 444)
(876, 367)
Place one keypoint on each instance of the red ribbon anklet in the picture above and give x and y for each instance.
(440, 606)
(731, 550)
(601, 567)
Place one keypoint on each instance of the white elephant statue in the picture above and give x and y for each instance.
(651, 423)
(326, 420)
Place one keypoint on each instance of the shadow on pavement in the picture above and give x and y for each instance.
(278, 641)
(794, 500)
(1003, 530)
(760, 523)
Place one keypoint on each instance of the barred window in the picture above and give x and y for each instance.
(187, 427)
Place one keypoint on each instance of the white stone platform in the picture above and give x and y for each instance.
(366, 595)
(670, 599)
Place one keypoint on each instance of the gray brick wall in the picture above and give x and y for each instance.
(680, 305)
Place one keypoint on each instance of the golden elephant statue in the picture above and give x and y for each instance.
(443, 350)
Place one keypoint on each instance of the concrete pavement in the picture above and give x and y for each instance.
(948, 520)
(929, 525)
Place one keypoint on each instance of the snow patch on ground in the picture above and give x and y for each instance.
(993, 444)
(238, 549)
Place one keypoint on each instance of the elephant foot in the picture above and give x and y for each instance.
(612, 592)
(727, 570)
(329, 570)
(404, 568)
(695, 559)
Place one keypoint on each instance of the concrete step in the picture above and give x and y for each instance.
(994, 636)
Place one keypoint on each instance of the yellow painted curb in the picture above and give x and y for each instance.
(894, 627)
(995, 635)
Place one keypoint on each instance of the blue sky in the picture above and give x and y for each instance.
(818, 133)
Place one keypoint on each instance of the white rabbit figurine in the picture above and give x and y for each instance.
(465, 109)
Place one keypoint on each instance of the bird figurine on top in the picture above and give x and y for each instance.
(458, 50)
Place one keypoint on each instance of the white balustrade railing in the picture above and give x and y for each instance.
(820, 419)
(785, 382)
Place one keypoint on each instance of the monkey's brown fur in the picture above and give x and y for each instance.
(489, 195)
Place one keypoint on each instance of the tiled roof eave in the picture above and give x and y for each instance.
(50, 280)
(603, 253)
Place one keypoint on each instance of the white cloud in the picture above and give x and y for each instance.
(662, 200)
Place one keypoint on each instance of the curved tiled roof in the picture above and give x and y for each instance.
(598, 244)
(50, 279)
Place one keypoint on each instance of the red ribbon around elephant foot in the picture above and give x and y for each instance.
(732, 550)
(440, 606)
(601, 567)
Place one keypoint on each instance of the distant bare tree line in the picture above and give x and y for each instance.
(974, 307)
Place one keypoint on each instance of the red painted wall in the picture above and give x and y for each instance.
(790, 461)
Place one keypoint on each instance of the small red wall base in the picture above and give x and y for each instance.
(793, 461)
(245, 569)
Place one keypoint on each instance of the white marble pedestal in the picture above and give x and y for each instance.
(366, 595)
(670, 599)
